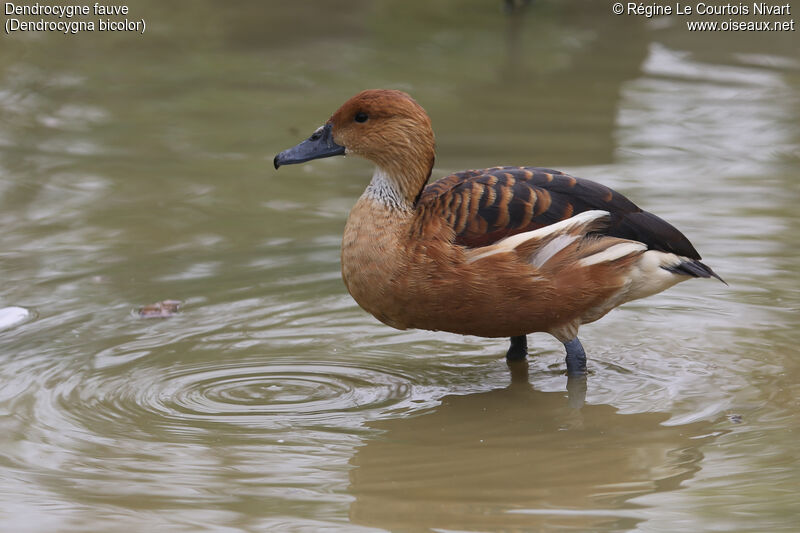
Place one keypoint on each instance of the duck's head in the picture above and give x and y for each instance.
(384, 126)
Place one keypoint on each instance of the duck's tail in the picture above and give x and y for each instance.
(693, 268)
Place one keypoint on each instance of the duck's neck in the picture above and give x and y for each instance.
(387, 190)
(398, 187)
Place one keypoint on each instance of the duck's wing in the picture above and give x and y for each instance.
(484, 206)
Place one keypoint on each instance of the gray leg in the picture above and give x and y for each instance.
(576, 358)
(518, 349)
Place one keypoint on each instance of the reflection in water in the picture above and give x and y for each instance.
(518, 457)
(232, 442)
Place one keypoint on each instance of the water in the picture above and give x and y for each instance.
(137, 168)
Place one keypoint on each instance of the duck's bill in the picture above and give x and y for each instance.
(319, 145)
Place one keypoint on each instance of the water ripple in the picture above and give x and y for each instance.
(275, 395)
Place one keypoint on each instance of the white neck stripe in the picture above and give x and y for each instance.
(383, 189)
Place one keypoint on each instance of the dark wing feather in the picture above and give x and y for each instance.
(484, 206)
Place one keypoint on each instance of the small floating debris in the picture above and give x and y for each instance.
(735, 418)
(11, 316)
(164, 309)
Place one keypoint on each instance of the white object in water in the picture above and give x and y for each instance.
(11, 316)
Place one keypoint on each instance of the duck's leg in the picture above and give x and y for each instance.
(576, 358)
(518, 349)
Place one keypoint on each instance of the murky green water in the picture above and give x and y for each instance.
(137, 168)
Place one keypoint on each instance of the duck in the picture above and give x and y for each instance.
(500, 252)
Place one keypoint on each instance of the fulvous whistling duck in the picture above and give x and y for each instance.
(499, 252)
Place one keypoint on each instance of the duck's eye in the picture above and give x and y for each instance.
(361, 117)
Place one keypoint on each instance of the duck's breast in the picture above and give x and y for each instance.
(375, 260)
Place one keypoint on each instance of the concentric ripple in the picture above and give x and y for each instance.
(279, 395)
(281, 390)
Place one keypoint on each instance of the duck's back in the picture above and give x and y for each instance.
(484, 206)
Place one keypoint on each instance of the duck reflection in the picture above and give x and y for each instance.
(519, 458)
